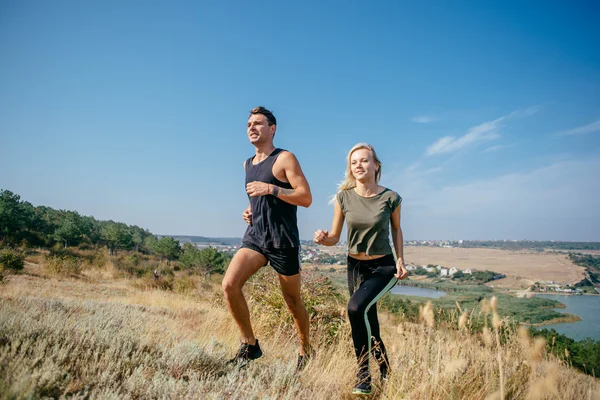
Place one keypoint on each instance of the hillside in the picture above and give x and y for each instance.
(98, 334)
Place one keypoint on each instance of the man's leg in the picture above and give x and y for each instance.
(244, 264)
(290, 288)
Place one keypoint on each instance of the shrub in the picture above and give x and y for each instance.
(11, 260)
(184, 285)
(92, 258)
(147, 282)
(62, 264)
(86, 246)
(400, 306)
(324, 304)
(99, 258)
(57, 247)
(131, 265)
(134, 259)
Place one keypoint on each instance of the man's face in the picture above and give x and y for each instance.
(259, 131)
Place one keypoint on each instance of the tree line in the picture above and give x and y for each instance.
(24, 225)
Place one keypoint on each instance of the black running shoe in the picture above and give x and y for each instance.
(384, 367)
(382, 361)
(363, 384)
(302, 361)
(246, 353)
(383, 372)
(362, 389)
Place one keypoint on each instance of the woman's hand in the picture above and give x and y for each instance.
(401, 271)
(320, 236)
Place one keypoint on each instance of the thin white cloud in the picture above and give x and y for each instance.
(556, 201)
(448, 144)
(589, 128)
(560, 189)
(497, 147)
(483, 132)
(528, 112)
(424, 119)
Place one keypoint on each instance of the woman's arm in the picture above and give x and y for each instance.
(331, 238)
(398, 241)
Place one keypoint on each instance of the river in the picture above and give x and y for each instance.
(417, 291)
(586, 307)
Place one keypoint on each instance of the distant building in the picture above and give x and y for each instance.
(453, 270)
(469, 271)
(410, 267)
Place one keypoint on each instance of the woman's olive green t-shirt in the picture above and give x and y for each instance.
(368, 220)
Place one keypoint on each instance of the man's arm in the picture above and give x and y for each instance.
(247, 215)
(299, 195)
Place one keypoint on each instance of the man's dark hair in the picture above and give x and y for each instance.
(268, 114)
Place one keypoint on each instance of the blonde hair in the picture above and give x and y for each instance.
(349, 182)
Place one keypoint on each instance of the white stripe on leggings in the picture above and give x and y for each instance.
(390, 285)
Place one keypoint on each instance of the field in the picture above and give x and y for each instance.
(100, 336)
(522, 268)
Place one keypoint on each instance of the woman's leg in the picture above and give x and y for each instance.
(371, 289)
(377, 347)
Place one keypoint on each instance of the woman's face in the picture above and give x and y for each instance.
(362, 165)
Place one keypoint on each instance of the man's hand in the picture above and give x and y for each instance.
(320, 236)
(247, 215)
(401, 272)
(255, 189)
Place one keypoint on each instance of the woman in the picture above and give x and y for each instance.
(369, 210)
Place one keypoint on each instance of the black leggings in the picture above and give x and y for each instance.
(368, 281)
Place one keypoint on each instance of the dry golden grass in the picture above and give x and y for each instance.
(104, 339)
(522, 268)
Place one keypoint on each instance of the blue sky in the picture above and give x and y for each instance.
(486, 115)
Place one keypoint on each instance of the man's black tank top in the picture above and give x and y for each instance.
(274, 222)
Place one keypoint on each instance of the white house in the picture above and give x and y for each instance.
(469, 271)
(444, 271)
(453, 270)
(410, 267)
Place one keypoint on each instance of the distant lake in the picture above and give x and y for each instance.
(586, 307)
(417, 291)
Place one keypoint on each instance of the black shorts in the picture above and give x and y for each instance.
(284, 261)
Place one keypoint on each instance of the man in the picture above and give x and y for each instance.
(275, 186)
